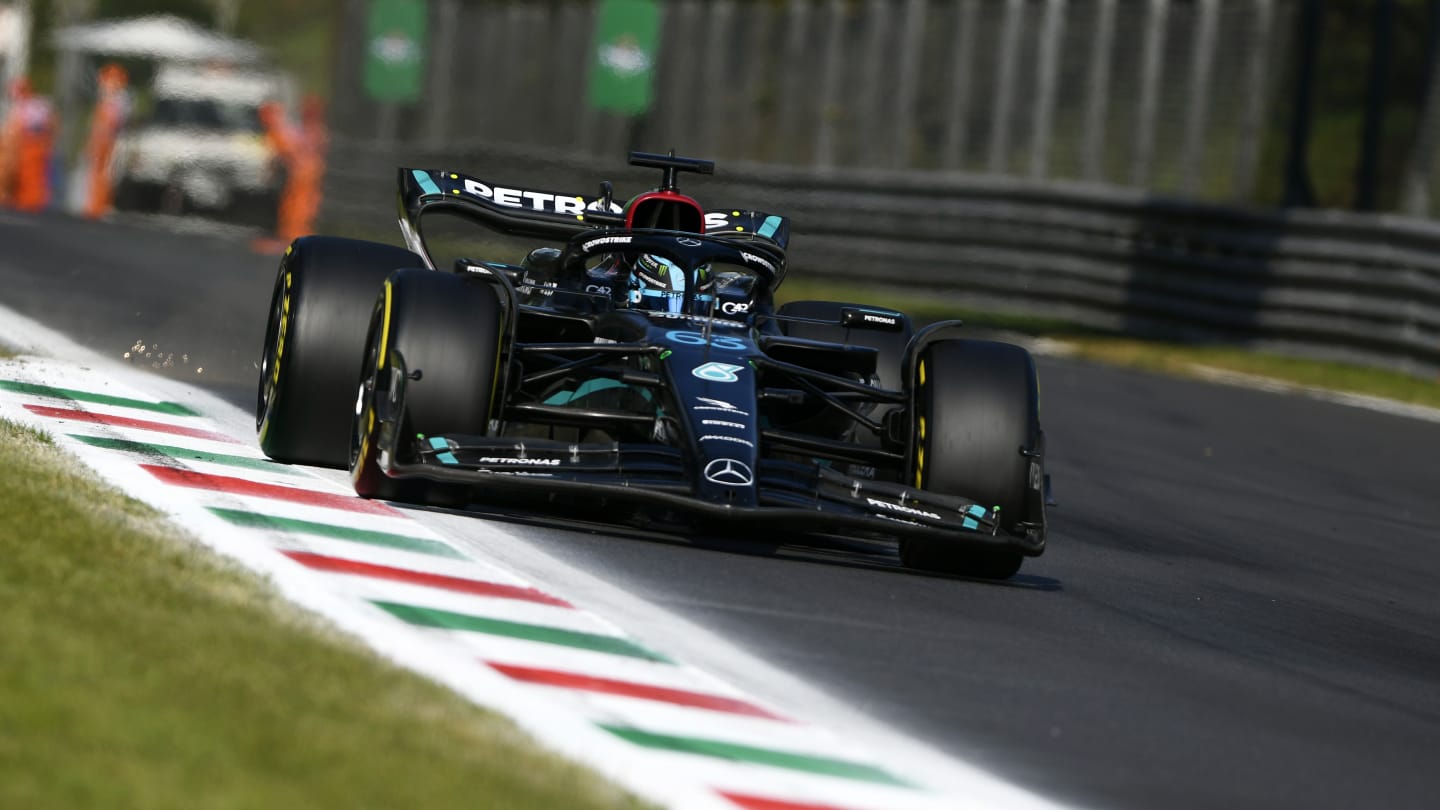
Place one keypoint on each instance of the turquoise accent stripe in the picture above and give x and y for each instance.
(977, 511)
(425, 182)
(586, 388)
(439, 443)
(970, 523)
(768, 228)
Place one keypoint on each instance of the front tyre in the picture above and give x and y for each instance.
(324, 291)
(447, 329)
(977, 435)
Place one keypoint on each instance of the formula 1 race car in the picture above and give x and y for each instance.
(630, 363)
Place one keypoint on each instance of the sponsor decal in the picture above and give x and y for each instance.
(721, 342)
(760, 260)
(729, 472)
(710, 437)
(904, 510)
(722, 423)
(717, 372)
(525, 462)
(534, 200)
(597, 288)
(725, 411)
(715, 221)
(688, 241)
(719, 403)
(607, 240)
(625, 57)
(879, 319)
(651, 281)
(734, 307)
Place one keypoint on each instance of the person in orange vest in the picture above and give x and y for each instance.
(316, 142)
(112, 108)
(28, 138)
(302, 152)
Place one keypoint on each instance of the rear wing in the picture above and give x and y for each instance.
(734, 223)
(545, 214)
(550, 215)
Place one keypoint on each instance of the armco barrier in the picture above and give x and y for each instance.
(1362, 288)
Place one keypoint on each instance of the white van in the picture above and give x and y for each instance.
(202, 147)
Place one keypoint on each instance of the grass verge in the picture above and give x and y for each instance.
(1170, 358)
(138, 670)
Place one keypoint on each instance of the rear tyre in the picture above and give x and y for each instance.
(977, 435)
(447, 329)
(324, 292)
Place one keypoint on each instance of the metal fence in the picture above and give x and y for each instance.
(1165, 95)
(1084, 160)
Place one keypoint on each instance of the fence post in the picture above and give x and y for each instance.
(830, 88)
(1097, 92)
(676, 103)
(1372, 132)
(1152, 70)
(870, 99)
(1415, 184)
(1005, 86)
(1202, 65)
(912, 43)
(962, 59)
(1052, 28)
(442, 68)
(797, 27)
(1257, 92)
(718, 20)
(751, 135)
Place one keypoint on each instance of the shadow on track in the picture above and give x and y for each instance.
(821, 549)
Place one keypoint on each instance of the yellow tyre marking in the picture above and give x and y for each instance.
(281, 332)
(384, 330)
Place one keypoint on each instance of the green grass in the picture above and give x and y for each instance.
(1169, 358)
(139, 671)
(1192, 360)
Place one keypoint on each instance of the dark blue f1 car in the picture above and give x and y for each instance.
(630, 358)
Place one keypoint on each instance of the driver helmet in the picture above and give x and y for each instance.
(658, 284)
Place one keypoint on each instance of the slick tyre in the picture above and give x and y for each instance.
(324, 292)
(977, 435)
(446, 328)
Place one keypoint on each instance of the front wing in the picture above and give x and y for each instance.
(807, 498)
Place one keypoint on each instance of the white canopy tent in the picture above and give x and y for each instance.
(156, 38)
(159, 37)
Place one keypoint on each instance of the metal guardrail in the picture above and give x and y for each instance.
(1353, 287)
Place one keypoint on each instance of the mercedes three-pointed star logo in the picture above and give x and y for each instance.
(729, 472)
(689, 242)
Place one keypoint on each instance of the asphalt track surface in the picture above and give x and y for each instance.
(1240, 606)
